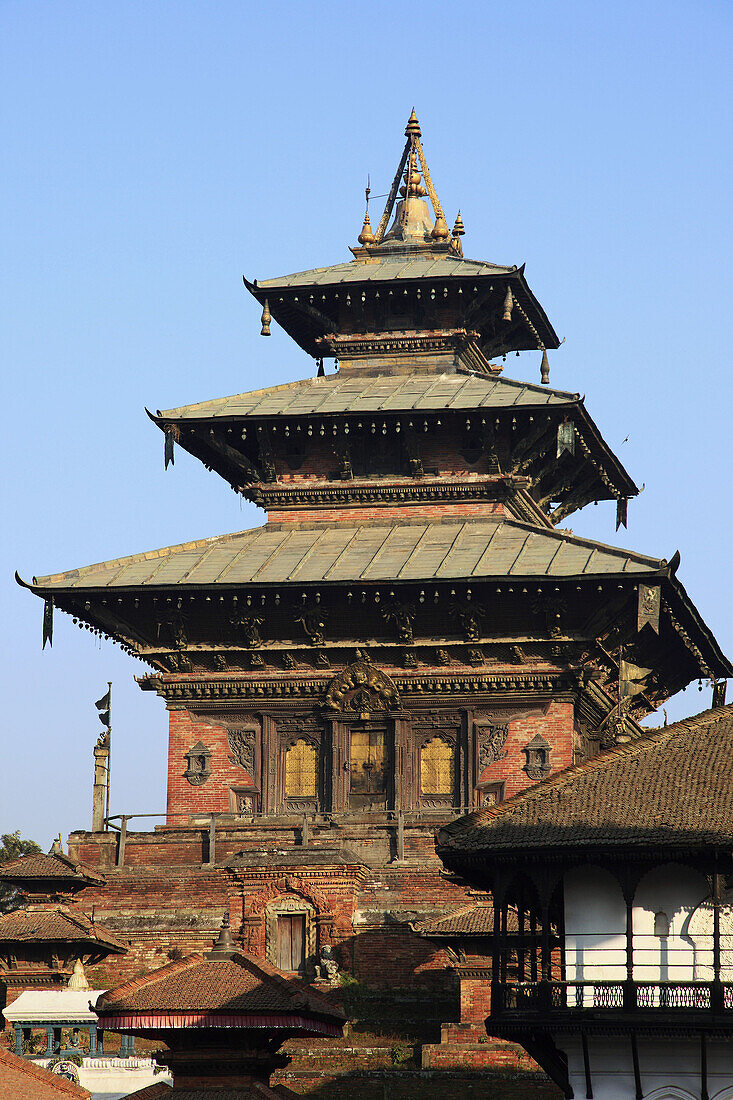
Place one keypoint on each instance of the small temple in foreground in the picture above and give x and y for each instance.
(412, 634)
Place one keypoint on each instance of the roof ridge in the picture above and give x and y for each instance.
(563, 778)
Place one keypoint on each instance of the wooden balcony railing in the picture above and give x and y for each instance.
(547, 998)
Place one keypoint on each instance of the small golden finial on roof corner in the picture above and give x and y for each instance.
(458, 232)
(413, 126)
(366, 236)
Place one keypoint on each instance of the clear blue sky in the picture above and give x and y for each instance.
(153, 152)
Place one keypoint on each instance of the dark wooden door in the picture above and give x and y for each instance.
(291, 942)
(368, 768)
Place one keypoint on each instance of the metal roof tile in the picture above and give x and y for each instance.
(490, 547)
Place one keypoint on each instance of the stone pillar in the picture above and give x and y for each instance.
(101, 757)
(49, 1041)
(18, 1040)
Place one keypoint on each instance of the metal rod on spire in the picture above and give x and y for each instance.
(109, 750)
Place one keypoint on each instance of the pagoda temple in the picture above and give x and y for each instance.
(411, 634)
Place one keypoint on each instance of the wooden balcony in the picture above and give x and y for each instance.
(554, 1003)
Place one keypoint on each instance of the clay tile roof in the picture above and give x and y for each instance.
(55, 924)
(22, 1079)
(670, 787)
(239, 984)
(477, 921)
(40, 866)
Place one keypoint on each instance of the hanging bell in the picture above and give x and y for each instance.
(545, 368)
(508, 303)
(265, 319)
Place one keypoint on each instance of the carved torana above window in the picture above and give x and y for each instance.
(360, 689)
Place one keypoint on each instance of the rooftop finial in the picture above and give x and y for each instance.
(413, 126)
(366, 236)
(458, 232)
(224, 946)
(78, 979)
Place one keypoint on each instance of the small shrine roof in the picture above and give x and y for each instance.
(359, 394)
(47, 1005)
(377, 551)
(233, 991)
(55, 924)
(20, 1077)
(53, 866)
(387, 268)
(671, 788)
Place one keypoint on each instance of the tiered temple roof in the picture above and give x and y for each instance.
(416, 464)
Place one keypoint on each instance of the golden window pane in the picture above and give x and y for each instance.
(437, 767)
(300, 770)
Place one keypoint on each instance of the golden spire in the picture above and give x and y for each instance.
(412, 220)
(413, 126)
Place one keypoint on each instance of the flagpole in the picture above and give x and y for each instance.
(109, 754)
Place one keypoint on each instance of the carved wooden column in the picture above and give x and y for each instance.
(269, 764)
(403, 794)
(339, 765)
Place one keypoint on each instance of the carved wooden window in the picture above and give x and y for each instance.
(438, 767)
(301, 770)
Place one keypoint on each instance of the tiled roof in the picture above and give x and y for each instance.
(235, 985)
(375, 552)
(671, 787)
(55, 924)
(419, 266)
(40, 866)
(21, 1079)
(363, 394)
(477, 921)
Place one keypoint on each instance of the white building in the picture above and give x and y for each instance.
(624, 864)
(72, 1036)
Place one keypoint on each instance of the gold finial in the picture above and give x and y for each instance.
(545, 375)
(366, 236)
(266, 318)
(413, 126)
(440, 232)
(458, 232)
(508, 304)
